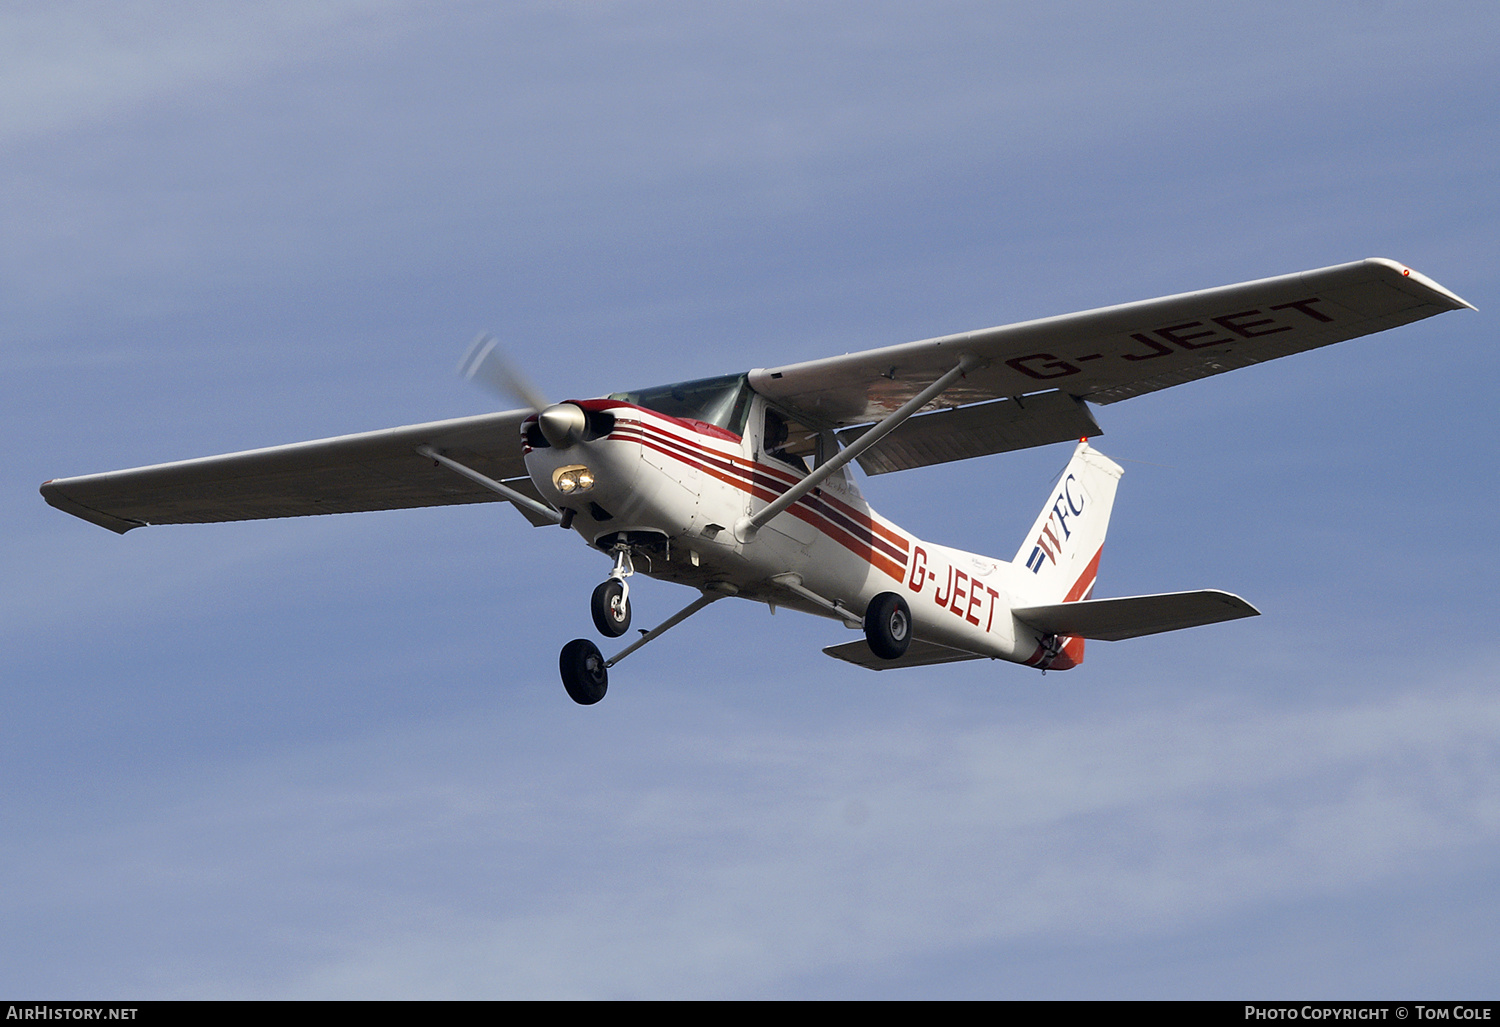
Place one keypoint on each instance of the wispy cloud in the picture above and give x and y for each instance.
(753, 858)
(67, 63)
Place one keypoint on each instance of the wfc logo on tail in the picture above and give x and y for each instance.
(1055, 531)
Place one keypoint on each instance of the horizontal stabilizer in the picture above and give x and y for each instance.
(918, 654)
(1110, 620)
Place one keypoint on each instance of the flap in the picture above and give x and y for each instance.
(978, 430)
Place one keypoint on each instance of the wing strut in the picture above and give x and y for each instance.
(712, 594)
(748, 526)
(519, 498)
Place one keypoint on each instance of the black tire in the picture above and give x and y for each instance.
(888, 626)
(611, 608)
(583, 672)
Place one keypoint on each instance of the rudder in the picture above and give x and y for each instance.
(1061, 551)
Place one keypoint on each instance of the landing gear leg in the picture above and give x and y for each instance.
(585, 672)
(610, 604)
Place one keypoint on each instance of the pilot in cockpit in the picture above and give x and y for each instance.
(774, 439)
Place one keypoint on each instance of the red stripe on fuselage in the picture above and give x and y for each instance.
(859, 517)
(691, 424)
(853, 529)
(751, 477)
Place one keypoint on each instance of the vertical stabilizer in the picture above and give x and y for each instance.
(1061, 552)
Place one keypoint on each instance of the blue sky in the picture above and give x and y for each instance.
(331, 757)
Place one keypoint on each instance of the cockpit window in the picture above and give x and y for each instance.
(723, 402)
(776, 440)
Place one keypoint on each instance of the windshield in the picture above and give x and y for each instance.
(723, 402)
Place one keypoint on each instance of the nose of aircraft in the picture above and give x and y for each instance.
(562, 424)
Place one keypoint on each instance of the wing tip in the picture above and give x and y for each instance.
(56, 499)
(1242, 607)
(1448, 296)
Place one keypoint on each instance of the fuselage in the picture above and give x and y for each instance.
(675, 488)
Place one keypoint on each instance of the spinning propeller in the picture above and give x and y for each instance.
(561, 423)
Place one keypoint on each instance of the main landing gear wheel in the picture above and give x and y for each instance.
(583, 672)
(888, 626)
(611, 608)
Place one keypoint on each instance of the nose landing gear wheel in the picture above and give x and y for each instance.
(611, 608)
(583, 672)
(888, 626)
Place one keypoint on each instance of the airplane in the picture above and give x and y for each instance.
(740, 485)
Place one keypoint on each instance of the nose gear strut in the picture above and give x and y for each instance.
(610, 604)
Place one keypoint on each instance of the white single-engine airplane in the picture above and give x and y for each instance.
(739, 486)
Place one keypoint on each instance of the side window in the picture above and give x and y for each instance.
(774, 440)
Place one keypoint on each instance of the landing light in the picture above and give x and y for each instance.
(576, 478)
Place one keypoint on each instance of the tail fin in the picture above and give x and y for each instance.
(1062, 549)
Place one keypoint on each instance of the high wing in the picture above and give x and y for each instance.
(1027, 386)
(378, 470)
(1033, 377)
